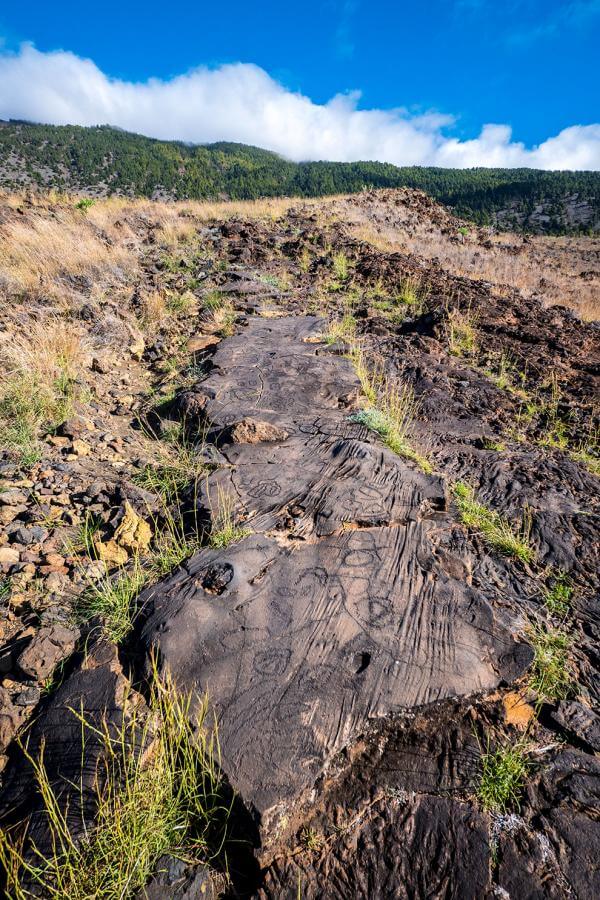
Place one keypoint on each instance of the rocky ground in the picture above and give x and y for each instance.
(353, 497)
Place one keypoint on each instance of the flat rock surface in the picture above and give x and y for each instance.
(345, 602)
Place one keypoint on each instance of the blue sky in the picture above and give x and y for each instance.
(527, 64)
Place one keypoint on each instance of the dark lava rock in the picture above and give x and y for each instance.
(347, 615)
(99, 688)
(580, 721)
(422, 847)
(48, 647)
(179, 880)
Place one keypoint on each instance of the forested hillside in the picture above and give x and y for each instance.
(102, 160)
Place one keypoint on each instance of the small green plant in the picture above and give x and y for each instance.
(558, 598)
(5, 589)
(213, 300)
(370, 376)
(168, 480)
(550, 676)
(173, 544)
(53, 681)
(276, 281)
(340, 266)
(86, 535)
(495, 529)
(182, 304)
(171, 432)
(111, 600)
(157, 791)
(590, 460)
(389, 310)
(84, 204)
(178, 463)
(222, 312)
(463, 230)
(392, 418)
(503, 775)
(462, 336)
(342, 330)
(305, 260)
(413, 294)
(33, 402)
(23, 412)
(496, 446)
(378, 290)
(225, 531)
(587, 450)
(311, 839)
(556, 429)
(505, 374)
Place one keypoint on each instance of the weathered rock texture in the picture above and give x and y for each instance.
(345, 604)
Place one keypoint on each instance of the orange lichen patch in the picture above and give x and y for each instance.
(517, 711)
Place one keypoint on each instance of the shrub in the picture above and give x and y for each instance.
(84, 204)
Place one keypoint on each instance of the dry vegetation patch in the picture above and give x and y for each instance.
(561, 271)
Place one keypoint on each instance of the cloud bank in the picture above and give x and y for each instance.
(241, 102)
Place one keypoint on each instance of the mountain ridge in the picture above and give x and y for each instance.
(99, 161)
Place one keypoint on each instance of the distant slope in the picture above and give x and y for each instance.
(104, 160)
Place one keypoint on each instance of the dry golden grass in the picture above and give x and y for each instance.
(37, 250)
(54, 239)
(45, 349)
(547, 267)
(154, 308)
(40, 375)
(173, 231)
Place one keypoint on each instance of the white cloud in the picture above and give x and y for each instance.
(241, 102)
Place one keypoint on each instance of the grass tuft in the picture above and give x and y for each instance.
(223, 318)
(157, 792)
(390, 411)
(40, 370)
(340, 266)
(173, 544)
(495, 529)
(111, 600)
(342, 331)
(225, 531)
(551, 676)
(413, 294)
(503, 774)
(168, 479)
(392, 419)
(311, 839)
(462, 336)
(557, 599)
